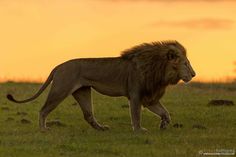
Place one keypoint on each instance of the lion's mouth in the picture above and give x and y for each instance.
(186, 80)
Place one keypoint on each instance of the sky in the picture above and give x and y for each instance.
(37, 35)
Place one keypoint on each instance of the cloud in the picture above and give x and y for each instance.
(174, 0)
(205, 23)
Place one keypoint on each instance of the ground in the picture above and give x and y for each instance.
(196, 126)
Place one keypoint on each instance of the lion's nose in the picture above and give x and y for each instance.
(193, 74)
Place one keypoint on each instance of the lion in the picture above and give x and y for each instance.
(141, 74)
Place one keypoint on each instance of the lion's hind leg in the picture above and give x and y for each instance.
(55, 97)
(83, 97)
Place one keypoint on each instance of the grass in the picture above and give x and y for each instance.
(187, 105)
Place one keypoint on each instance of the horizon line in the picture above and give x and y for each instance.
(226, 79)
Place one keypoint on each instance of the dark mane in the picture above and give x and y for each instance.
(151, 60)
(146, 48)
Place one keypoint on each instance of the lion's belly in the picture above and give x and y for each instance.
(110, 91)
(110, 88)
(107, 76)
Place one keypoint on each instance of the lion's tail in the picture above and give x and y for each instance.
(44, 86)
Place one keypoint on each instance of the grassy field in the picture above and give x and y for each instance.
(195, 125)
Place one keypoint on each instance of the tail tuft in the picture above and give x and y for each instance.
(10, 97)
(48, 81)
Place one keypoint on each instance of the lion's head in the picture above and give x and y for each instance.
(160, 63)
(178, 67)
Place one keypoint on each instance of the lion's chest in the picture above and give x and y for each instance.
(151, 99)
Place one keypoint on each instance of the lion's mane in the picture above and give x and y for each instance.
(151, 60)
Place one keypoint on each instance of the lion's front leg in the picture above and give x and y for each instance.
(160, 110)
(135, 112)
(83, 96)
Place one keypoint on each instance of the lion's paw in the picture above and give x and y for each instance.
(164, 124)
(44, 129)
(103, 127)
(140, 130)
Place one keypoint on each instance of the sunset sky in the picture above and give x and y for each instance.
(36, 35)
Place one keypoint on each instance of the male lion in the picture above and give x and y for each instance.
(141, 74)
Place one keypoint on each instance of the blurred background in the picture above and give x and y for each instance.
(37, 35)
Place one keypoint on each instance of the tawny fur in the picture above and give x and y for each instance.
(141, 74)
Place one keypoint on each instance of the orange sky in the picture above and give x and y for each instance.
(36, 35)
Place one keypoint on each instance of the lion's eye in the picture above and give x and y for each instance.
(175, 67)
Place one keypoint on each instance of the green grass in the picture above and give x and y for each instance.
(187, 105)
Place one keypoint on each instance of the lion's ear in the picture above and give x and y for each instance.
(171, 55)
